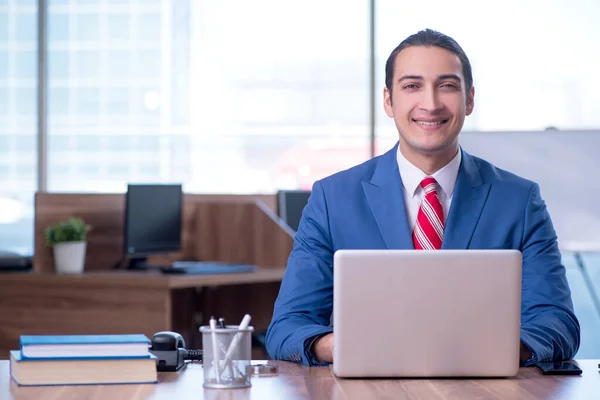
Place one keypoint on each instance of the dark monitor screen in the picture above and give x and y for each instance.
(153, 216)
(290, 204)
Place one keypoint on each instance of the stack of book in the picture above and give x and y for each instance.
(83, 360)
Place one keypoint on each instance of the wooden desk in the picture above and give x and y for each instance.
(103, 302)
(297, 382)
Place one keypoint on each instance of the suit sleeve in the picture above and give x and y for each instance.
(548, 323)
(304, 305)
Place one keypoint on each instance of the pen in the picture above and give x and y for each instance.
(222, 348)
(213, 327)
(234, 343)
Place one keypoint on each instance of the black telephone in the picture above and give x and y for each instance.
(169, 349)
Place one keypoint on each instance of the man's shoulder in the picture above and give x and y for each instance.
(356, 174)
(492, 174)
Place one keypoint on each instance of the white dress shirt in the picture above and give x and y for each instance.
(413, 192)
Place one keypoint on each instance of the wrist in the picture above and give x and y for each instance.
(322, 348)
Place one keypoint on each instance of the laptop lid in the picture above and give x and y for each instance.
(440, 313)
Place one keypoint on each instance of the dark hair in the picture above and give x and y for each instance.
(429, 38)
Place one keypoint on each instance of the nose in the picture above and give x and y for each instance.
(430, 100)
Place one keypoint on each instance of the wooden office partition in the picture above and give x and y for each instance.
(248, 233)
(105, 212)
(244, 232)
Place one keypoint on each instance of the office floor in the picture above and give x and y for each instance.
(583, 273)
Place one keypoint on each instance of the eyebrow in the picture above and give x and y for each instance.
(420, 78)
(449, 76)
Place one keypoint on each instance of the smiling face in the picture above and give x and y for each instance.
(428, 103)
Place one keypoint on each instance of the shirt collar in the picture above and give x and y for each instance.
(412, 176)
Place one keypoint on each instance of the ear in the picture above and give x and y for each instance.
(470, 101)
(387, 102)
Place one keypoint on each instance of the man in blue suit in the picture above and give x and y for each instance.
(376, 205)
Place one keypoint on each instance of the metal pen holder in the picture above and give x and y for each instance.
(227, 353)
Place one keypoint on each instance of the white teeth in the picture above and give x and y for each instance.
(429, 123)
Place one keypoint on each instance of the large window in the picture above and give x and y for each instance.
(18, 145)
(237, 102)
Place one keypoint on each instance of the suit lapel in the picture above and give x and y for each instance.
(468, 200)
(385, 196)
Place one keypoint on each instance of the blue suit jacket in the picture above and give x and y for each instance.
(363, 208)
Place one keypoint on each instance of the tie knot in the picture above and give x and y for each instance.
(428, 184)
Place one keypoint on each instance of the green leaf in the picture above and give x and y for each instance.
(72, 230)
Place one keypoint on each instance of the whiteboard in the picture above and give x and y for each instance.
(566, 165)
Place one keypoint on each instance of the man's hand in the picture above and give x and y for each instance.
(323, 348)
(524, 353)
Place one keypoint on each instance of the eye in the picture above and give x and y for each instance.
(449, 86)
(410, 86)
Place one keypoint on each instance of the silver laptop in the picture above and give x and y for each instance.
(441, 313)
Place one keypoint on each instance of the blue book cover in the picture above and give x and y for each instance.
(83, 339)
(84, 346)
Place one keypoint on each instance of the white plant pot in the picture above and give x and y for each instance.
(69, 257)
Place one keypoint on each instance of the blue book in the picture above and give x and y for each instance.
(84, 346)
(106, 371)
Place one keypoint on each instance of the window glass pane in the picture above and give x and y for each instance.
(60, 170)
(58, 64)
(60, 143)
(148, 63)
(58, 28)
(119, 143)
(25, 101)
(149, 144)
(149, 171)
(88, 27)
(25, 144)
(3, 26)
(191, 94)
(4, 172)
(117, 102)
(26, 27)
(118, 64)
(18, 169)
(60, 101)
(119, 27)
(88, 143)
(147, 104)
(88, 101)
(531, 68)
(26, 64)
(89, 170)
(5, 144)
(149, 28)
(88, 64)
(3, 101)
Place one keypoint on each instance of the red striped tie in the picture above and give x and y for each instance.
(429, 229)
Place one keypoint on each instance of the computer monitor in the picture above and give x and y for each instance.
(290, 204)
(153, 219)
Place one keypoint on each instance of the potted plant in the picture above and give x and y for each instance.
(68, 239)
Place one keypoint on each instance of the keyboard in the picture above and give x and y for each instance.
(206, 268)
